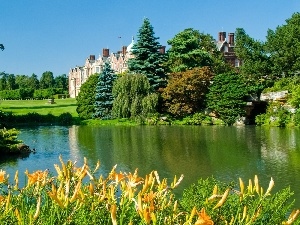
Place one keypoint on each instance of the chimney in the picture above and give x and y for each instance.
(105, 52)
(231, 39)
(222, 36)
(92, 57)
(162, 50)
(124, 48)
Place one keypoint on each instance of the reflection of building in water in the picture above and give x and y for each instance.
(73, 142)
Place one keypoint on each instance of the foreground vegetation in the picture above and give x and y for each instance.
(76, 195)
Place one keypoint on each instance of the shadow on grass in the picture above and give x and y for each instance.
(39, 107)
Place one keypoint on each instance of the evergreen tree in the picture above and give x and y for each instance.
(86, 97)
(147, 58)
(104, 98)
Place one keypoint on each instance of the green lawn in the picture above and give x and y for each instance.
(20, 107)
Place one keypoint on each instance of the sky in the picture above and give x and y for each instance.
(56, 35)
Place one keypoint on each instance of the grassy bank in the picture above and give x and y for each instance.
(42, 107)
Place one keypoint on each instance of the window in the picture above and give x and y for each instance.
(237, 63)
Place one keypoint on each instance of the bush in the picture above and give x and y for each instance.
(247, 205)
(65, 119)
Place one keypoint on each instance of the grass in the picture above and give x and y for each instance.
(42, 107)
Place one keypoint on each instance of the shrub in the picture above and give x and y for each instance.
(248, 205)
(65, 118)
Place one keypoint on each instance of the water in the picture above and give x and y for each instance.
(226, 153)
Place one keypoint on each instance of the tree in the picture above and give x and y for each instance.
(47, 80)
(33, 82)
(133, 97)
(22, 81)
(86, 97)
(283, 46)
(61, 81)
(104, 98)
(3, 81)
(256, 66)
(11, 82)
(2, 47)
(147, 58)
(187, 50)
(185, 92)
(226, 96)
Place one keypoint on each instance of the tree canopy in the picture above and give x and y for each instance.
(2, 47)
(185, 92)
(226, 96)
(147, 58)
(133, 97)
(283, 46)
(256, 66)
(189, 49)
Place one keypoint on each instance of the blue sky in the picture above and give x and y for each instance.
(55, 35)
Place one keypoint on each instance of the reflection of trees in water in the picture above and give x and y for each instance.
(11, 160)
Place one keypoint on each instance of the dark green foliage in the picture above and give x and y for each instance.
(187, 50)
(65, 119)
(255, 68)
(61, 82)
(283, 45)
(2, 47)
(226, 97)
(47, 80)
(86, 97)
(103, 97)
(147, 58)
(35, 118)
(133, 97)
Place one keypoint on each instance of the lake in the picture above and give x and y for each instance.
(226, 153)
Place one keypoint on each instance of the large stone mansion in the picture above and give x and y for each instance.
(118, 61)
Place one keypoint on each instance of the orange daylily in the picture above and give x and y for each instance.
(37, 176)
(203, 218)
(2, 176)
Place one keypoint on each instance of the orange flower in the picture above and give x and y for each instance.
(203, 218)
(37, 176)
(2, 176)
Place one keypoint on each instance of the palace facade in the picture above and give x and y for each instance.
(118, 61)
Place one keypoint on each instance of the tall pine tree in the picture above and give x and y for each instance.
(104, 98)
(147, 58)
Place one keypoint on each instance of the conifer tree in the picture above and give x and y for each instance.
(104, 98)
(147, 58)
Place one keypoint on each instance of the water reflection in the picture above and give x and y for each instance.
(224, 152)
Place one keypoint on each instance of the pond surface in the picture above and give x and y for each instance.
(226, 153)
